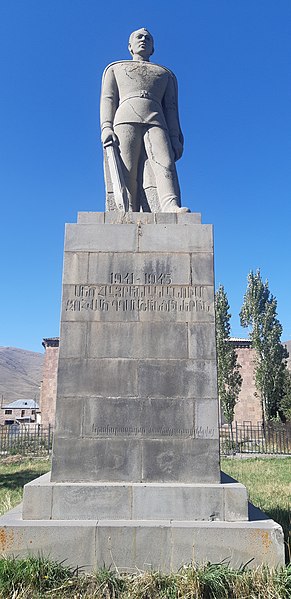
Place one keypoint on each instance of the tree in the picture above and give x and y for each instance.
(229, 378)
(259, 311)
(285, 405)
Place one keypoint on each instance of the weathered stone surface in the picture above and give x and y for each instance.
(171, 378)
(202, 341)
(117, 217)
(72, 542)
(206, 418)
(181, 460)
(133, 501)
(91, 218)
(138, 269)
(90, 502)
(87, 459)
(38, 499)
(189, 219)
(87, 238)
(175, 238)
(75, 267)
(148, 545)
(138, 417)
(137, 340)
(202, 268)
(235, 502)
(69, 417)
(73, 340)
(107, 377)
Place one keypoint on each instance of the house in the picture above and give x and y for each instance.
(20, 411)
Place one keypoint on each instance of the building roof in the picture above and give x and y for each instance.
(22, 404)
(240, 342)
(50, 342)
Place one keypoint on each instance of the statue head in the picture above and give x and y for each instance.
(141, 43)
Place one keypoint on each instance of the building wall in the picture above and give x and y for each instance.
(248, 407)
(48, 391)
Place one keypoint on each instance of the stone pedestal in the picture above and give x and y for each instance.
(135, 476)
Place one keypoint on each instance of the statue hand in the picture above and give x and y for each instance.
(177, 147)
(108, 136)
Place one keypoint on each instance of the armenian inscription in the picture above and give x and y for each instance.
(197, 432)
(125, 292)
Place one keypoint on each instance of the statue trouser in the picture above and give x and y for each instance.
(132, 138)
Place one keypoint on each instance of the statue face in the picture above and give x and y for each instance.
(141, 43)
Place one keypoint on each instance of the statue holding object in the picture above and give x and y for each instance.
(141, 133)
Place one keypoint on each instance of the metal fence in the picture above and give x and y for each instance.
(35, 440)
(25, 439)
(273, 438)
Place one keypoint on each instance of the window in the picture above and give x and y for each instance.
(8, 411)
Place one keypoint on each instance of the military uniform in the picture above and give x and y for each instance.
(139, 101)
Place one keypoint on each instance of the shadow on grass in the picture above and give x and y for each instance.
(15, 480)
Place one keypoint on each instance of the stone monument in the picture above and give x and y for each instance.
(141, 132)
(135, 478)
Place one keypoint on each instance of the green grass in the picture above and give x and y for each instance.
(15, 472)
(38, 577)
(268, 481)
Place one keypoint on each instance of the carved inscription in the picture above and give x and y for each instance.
(197, 432)
(142, 298)
(148, 278)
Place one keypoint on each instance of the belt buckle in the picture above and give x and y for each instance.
(144, 93)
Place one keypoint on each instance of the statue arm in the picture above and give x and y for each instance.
(170, 106)
(109, 99)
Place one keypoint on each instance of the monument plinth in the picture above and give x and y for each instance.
(135, 470)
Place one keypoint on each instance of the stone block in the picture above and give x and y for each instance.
(235, 502)
(107, 377)
(177, 378)
(236, 543)
(37, 499)
(89, 502)
(175, 238)
(73, 340)
(137, 340)
(138, 269)
(75, 268)
(202, 343)
(206, 418)
(138, 418)
(88, 238)
(166, 218)
(194, 218)
(69, 416)
(72, 542)
(177, 502)
(180, 460)
(87, 459)
(91, 218)
(133, 545)
(202, 268)
(121, 218)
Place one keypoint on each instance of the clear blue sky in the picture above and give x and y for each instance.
(232, 61)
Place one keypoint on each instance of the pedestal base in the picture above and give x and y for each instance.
(46, 500)
(138, 544)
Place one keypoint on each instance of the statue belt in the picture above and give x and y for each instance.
(143, 93)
